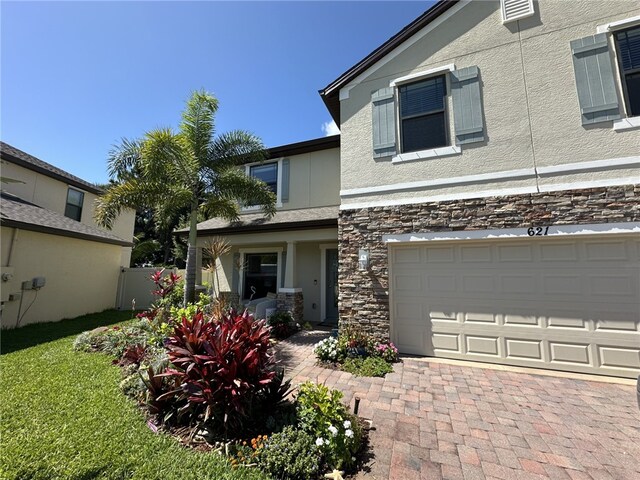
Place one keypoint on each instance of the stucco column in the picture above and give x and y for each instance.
(290, 275)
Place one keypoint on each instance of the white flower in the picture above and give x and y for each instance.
(319, 441)
(333, 430)
(353, 459)
(347, 424)
(348, 433)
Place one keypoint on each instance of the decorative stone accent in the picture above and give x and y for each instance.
(231, 299)
(364, 295)
(292, 303)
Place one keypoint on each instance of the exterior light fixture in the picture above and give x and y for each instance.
(363, 259)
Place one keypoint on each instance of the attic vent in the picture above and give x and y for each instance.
(516, 9)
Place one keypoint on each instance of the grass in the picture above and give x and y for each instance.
(64, 417)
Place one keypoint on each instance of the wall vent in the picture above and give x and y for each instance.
(516, 9)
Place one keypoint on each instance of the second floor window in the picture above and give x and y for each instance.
(423, 122)
(73, 209)
(628, 47)
(268, 173)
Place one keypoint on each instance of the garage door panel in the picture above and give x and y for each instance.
(525, 349)
(446, 342)
(482, 345)
(409, 256)
(568, 305)
(514, 252)
(619, 357)
(567, 353)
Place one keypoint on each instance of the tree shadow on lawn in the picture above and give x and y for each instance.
(37, 333)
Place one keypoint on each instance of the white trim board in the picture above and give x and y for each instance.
(510, 233)
(619, 24)
(608, 164)
(425, 73)
(492, 193)
(344, 91)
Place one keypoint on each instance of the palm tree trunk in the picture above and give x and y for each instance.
(190, 274)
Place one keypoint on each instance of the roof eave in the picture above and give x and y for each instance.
(330, 93)
(240, 229)
(69, 181)
(6, 222)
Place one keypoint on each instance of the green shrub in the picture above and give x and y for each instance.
(327, 350)
(282, 324)
(290, 455)
(367, 367)
(322, 414)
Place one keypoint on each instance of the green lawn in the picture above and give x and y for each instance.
(63, 415)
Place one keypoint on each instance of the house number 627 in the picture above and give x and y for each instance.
(537, 231)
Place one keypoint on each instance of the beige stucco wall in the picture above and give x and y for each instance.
(81, 276)
(314, 180)
(532, 117)
(51, 194)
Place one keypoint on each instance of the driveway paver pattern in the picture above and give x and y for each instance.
(440, 421)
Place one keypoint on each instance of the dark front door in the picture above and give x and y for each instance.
(332, 286)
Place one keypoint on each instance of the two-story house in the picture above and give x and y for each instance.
(292, 257)
(56, 262)
(489, 202)
(489, 170)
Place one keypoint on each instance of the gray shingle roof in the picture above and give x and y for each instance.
(14, 155)
(283, 220)
(15, 212)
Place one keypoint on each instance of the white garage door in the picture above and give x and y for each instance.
(565, 304)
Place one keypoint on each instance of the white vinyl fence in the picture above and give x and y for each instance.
(136, 283)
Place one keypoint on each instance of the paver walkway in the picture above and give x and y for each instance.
(440, 421)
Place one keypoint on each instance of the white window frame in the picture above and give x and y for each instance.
(247, 171)
(626, 123)
(267, 250)
(439, 152)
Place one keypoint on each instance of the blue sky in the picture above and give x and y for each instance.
(78, 76)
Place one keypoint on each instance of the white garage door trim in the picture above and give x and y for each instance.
(603, 342)
(542, 231)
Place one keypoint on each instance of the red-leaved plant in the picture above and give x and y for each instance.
(221, 366)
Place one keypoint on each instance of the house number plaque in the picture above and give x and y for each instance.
(537, 231)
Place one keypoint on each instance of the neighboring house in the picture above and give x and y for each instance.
(489, 190)
(56, 262)
(294, 255)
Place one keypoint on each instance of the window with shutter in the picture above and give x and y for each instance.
(422, 114)
(516, 9)
(595, 81)
(628, 48)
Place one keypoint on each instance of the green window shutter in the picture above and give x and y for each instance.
(384, 123)
(467, 105)
(284, 189)
(595, 81)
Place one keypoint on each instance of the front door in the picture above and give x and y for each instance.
(332, 286)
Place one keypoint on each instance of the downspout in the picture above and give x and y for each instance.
(14, 240)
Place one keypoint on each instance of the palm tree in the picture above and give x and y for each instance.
(168, 171)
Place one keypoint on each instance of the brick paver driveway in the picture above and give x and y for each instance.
(440, 421)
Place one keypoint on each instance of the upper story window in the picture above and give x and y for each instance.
(268, 173)
(603, 95)
(73, 208)
(415, 109)
(628, 48)
(423, 120)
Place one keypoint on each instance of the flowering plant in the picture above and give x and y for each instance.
(387, 351)
(327, 350)
(322, 414)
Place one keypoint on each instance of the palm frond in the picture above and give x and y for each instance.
(234, 184)
(124, 159)
(216, 206)
(132, 193)
(167, 157)
(235, 148)
(198, 122)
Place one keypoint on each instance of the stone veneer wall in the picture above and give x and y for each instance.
(292, 303)
(364, 295)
